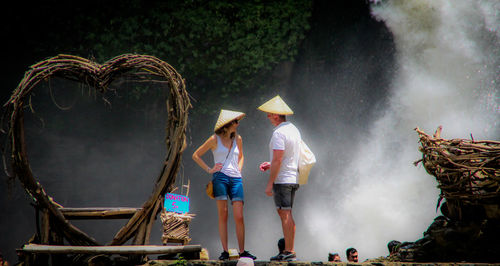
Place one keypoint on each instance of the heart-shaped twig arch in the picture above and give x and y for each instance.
(100, 76)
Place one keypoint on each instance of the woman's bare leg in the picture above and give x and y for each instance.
(222, 211)
(240, 224)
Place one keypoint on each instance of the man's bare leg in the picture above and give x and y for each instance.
(288, 225)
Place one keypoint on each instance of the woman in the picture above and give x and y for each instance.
(227, 150)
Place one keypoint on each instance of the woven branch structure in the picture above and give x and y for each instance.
(99, 77)
(468, 171)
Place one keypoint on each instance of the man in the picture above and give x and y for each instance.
(352, 255)
(334, 257)
(283, 177)
(393, 246)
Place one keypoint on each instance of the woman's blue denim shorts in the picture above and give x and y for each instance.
(226, 186)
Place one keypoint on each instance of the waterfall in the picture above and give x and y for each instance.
(447, 74)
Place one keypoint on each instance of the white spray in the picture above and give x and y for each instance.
(447, 54)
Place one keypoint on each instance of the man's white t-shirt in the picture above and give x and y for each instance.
(286, 137)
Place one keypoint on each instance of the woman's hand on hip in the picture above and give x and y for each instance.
(217, 167)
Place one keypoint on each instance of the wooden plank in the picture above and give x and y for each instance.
(130, 249)
(98, 213)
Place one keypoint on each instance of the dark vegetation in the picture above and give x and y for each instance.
(219, 47)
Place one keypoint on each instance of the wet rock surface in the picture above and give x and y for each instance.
(457, 241)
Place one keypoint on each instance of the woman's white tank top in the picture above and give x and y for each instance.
(230, 166)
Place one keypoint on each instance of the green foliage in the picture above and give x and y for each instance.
(180, 262)
(220, 47)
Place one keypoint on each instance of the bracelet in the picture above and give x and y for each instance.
(208, 169)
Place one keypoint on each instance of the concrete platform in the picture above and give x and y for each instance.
(308, 263)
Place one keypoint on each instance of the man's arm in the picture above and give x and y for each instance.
(275, 169)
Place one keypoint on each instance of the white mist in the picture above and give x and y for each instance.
(447, 55)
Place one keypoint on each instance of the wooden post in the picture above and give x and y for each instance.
(152, 219)
(140, 234)
(45, 233)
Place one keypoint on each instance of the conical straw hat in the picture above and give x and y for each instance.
(227, 116)
(276, 106)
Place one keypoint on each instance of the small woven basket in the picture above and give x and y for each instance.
(175, 227)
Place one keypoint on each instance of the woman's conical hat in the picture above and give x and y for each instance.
(227, 116)
(276, 106)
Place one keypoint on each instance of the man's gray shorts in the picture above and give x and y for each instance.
(284, 195)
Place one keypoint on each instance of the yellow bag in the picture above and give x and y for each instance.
(210, 189)
(306, 162)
